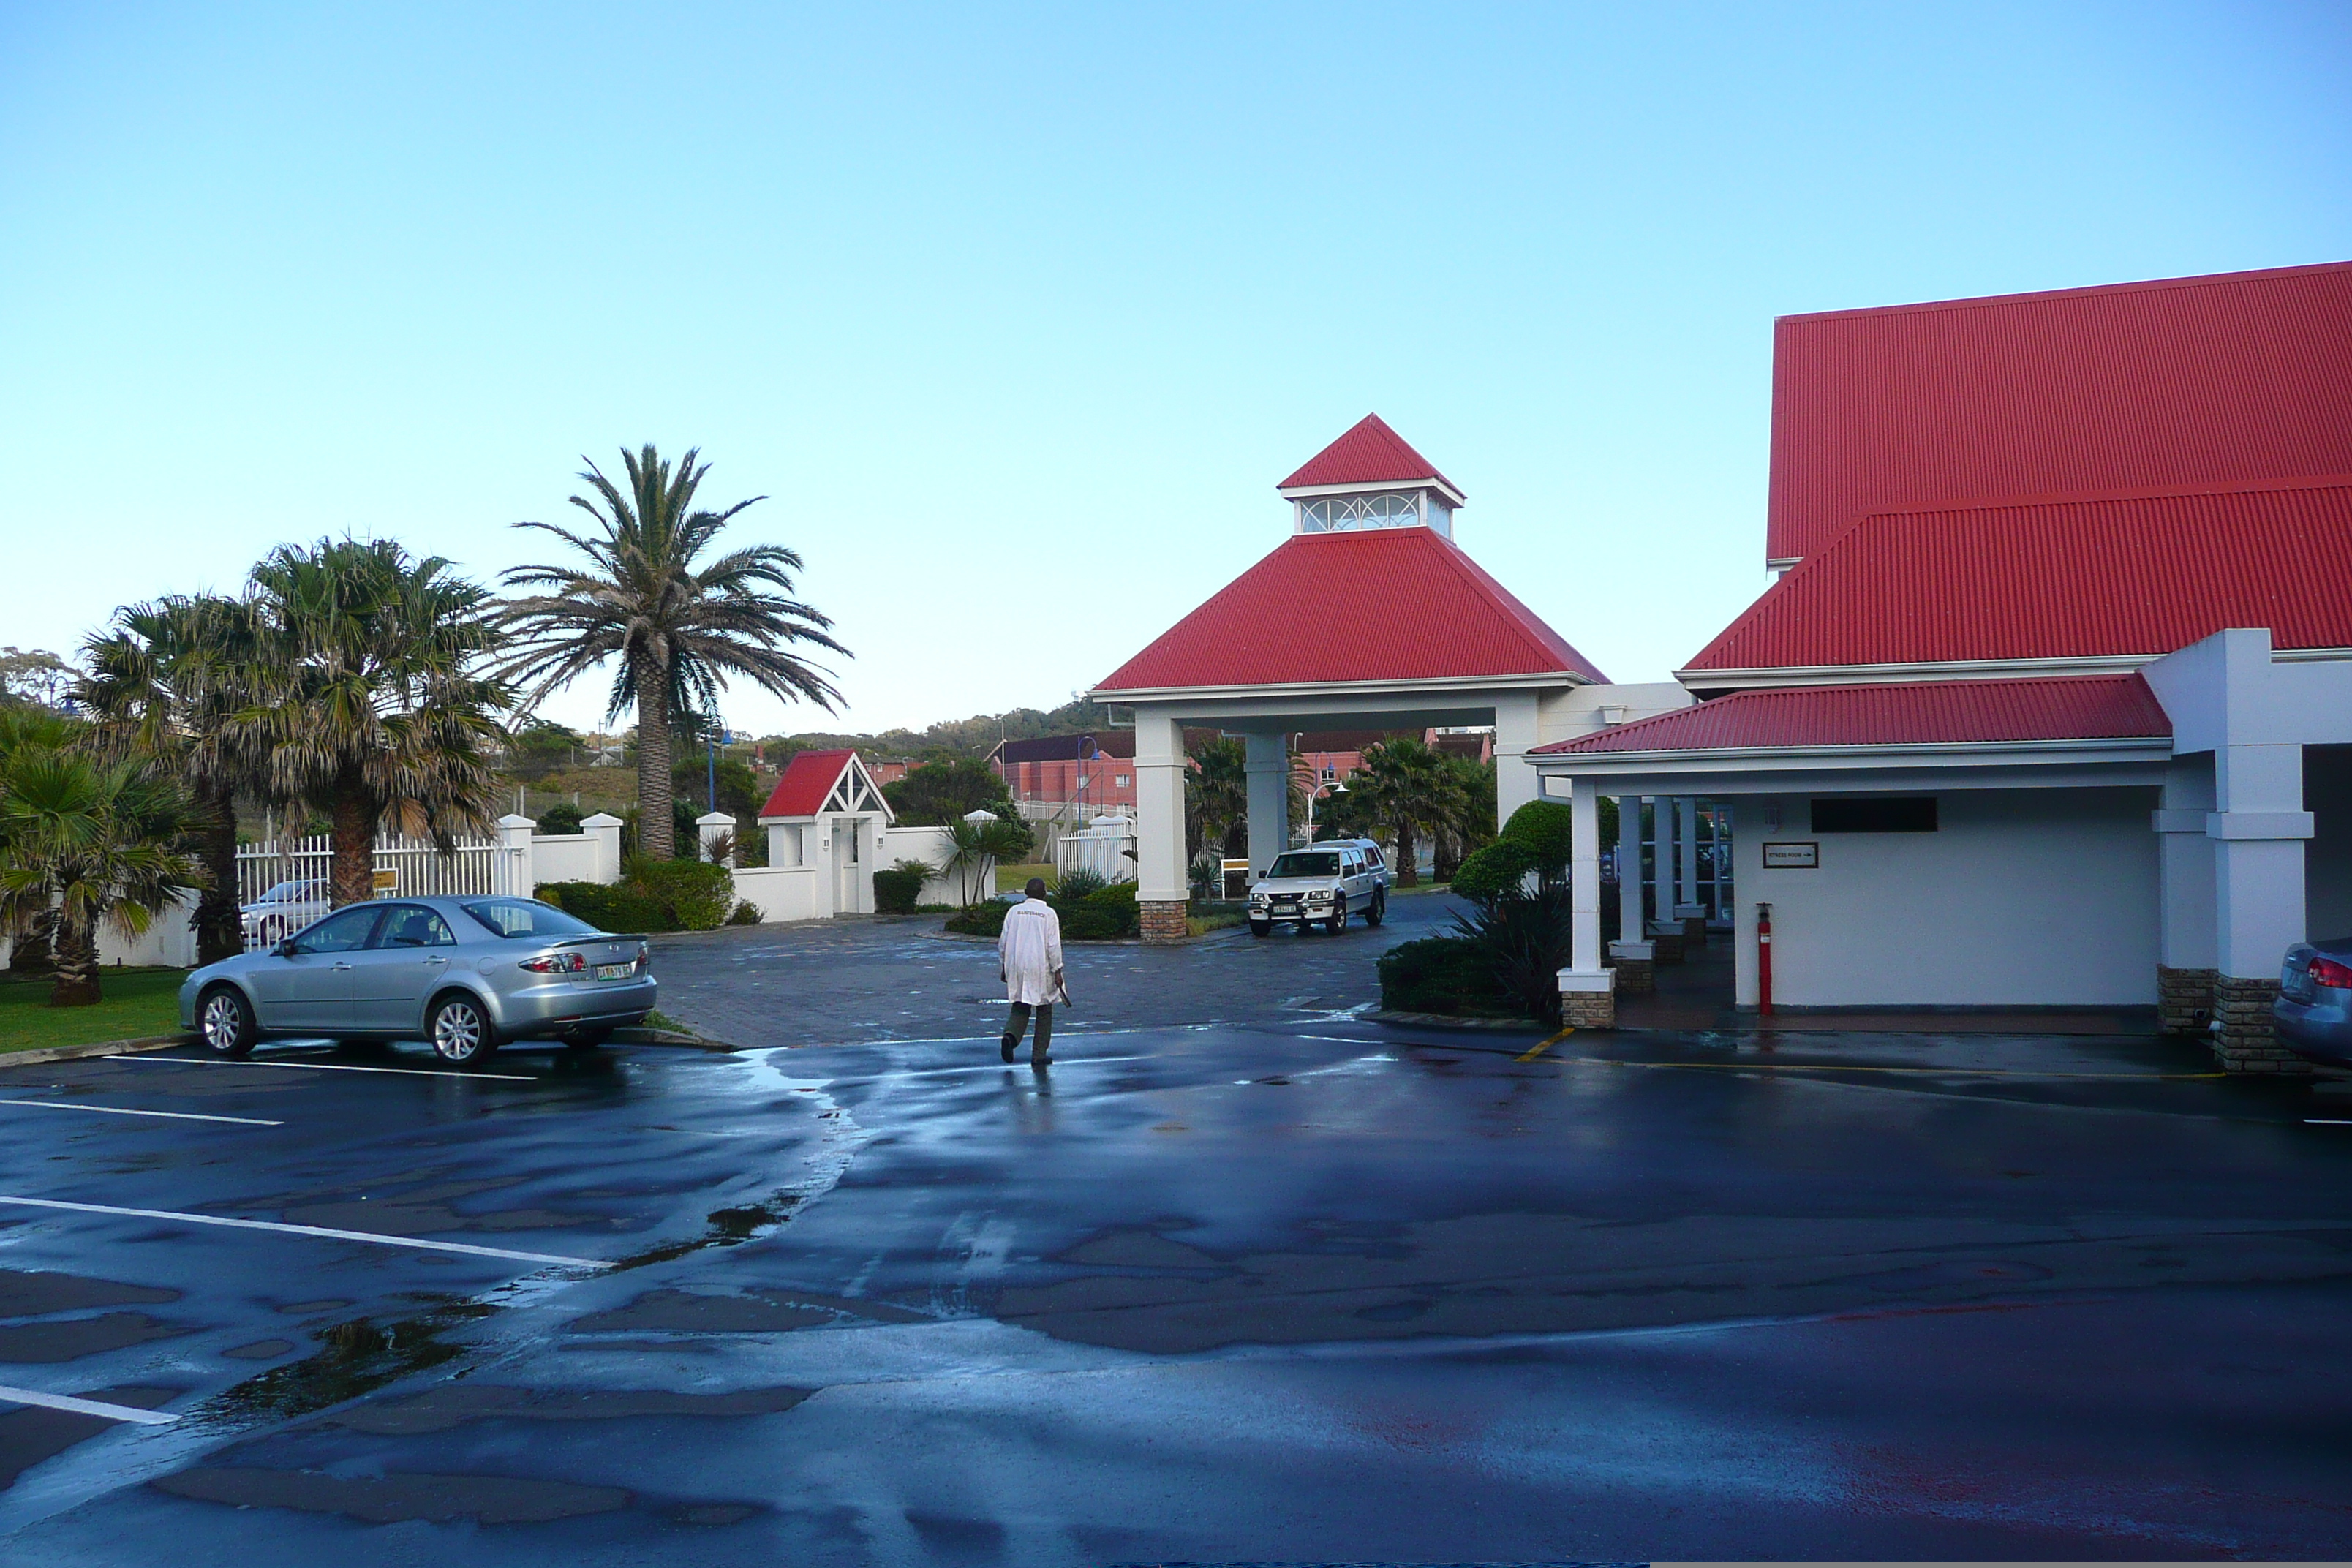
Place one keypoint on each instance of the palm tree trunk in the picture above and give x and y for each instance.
(657, 834)
(1408, 865)
(217, 933)
(77, 964)
(351, 873)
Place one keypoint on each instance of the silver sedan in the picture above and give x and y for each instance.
(463, 973)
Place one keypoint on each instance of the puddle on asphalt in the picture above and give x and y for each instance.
(356, 1357)
(725, 1228)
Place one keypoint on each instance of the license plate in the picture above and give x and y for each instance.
(615, 971)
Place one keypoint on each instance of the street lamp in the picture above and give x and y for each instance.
(1334, 787)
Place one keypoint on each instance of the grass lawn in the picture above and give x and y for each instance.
(135, 1002)
(1013, 879)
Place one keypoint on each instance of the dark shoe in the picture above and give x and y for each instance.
(1012, 1044)
(1039, 1060)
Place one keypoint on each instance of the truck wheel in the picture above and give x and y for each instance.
(1379, 908)
(225, 1020)
(460, 1031)
(1259, 927)
(1339, 921)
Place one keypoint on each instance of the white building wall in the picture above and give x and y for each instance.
(2021, 898)
(565, 857)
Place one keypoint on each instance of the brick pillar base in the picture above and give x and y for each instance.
(1635, 977)
(1693, 931)
(1589, 1009)
(1668, 945)
(2244, 1039)
(2184, 1000)
(1163, 919)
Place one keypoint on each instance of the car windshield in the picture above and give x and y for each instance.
(1307, 863)
(290, 892)
(527, 918)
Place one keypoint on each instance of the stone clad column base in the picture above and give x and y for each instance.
(1665, 944)
(1635, 966)
(2184, 999)
(1691, 918)
(2243, 1039)
(1164, 919)
(1588, 1001)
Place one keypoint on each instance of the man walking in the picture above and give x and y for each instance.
(1029, 957)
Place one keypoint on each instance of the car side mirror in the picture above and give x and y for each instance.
(285, 949)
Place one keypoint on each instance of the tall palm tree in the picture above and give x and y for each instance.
(86, 843)
(364, 698)
(1407, 789)
(164, 685)
(676, 632)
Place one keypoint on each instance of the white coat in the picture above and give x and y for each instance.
(1030, 953)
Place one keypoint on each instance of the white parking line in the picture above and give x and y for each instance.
(118, 1110)
(409, 1242)
(327, 1067)
(87, 1407)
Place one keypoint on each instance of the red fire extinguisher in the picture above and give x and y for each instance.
(1764, 960)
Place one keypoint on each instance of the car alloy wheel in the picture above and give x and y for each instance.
(461, 1032)
(226, 1025)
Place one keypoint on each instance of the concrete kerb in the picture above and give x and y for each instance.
(1450, 1021)
(96, 1049)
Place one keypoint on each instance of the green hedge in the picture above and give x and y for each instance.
(1443, 975)
(896, 891)
(1105, 915)
(651, 896)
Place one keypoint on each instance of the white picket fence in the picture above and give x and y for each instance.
(405, 866)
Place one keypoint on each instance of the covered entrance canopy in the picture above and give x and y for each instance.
(1369, 616)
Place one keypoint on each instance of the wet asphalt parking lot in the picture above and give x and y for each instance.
(1274, 1283)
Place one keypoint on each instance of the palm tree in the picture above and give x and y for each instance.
(1216, 796)
(86, 843)
(362, 698)
(164, 685)
(1407, 789)
(677, 632)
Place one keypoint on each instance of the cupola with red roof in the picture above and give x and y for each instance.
(1370, 478)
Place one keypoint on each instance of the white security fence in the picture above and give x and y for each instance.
(1105, 847)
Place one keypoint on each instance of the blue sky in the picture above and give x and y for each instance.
(1018, 314)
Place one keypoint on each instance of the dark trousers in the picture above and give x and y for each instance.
(1018, 1024)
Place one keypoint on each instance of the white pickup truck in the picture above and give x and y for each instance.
(1322, 884)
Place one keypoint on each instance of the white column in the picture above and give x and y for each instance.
(2258, 831)
(1269, 799)
(1584, 877)
(1662, 860)
(709, 828)
(1686, 904)
(512, 874)
(605, 829)
(2185, 891)
(1631, 936)
(1160, 807)
(1516, 715)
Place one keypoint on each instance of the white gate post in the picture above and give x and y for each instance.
(512, 874)
(711, 828)
(605, 829)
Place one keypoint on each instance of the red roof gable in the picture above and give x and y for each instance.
(2085, 576)
(1439, 616)
(1369, 453)
(808, 779)
(1912, 714)
(2187, 381)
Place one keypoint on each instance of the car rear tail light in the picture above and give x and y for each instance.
(2327, 972)
(556, 964)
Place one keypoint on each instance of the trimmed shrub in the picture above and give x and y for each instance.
(1544, 827)
(1105, 915)
(984, 919)
(614, 908)
(1496, 870)
(895, 889)
(1443, 975)
(1118, 898)
(561, 818)
(651, 896)
(747, 914)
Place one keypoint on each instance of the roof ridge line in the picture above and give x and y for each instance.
(2137, 285)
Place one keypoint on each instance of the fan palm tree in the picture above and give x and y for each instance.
(87, 843)
(164, 685)
(636, 597)
(1406, 788)
(362, 700)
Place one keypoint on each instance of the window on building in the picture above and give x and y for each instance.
(1121, 780)
(1875, 813)
(1345, 514)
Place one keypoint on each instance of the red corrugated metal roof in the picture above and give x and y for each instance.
(1391, 603)
(2143, 573)
(1911, 713)
(2187, 381)
(1369, 453)
(808, 779)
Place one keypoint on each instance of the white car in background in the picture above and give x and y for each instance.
(283, 911)
(1322, 884)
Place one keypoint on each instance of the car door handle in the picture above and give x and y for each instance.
(437, 960)
(342, 966)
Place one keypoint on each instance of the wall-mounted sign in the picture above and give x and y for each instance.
(1792, 857)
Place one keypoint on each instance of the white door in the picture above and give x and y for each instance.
(853, 880)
